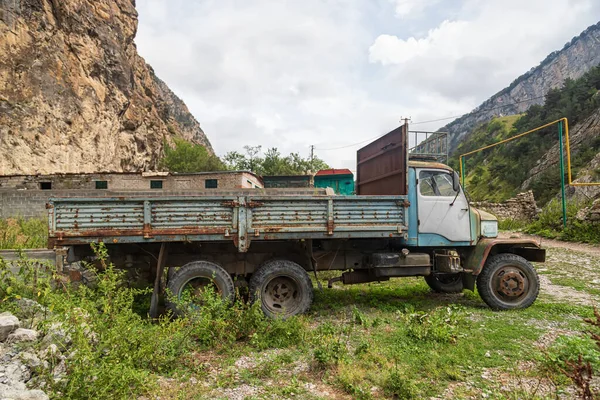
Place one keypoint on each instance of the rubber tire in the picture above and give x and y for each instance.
(282, 268)
(492, 265)
(440, 287)
(200, 269)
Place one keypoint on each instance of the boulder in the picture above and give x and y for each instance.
(8, 323)
(22, 335)
(16, 394)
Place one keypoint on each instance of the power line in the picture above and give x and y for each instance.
(479, 112)
(434, 120)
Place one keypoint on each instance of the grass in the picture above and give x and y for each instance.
(21, 233)
(390, 340)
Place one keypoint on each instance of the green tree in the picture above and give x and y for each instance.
(272, 163)
(189, 157)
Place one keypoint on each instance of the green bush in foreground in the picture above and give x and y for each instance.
(114, 352)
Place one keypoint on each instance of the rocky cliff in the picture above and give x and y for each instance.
(576, 58)
(75, 96)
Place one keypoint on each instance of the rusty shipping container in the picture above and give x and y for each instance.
(382, 166)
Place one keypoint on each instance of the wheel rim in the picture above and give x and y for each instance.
(510, 284)
(194, 290)
(281, 295)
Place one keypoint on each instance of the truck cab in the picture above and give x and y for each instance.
(442, 215)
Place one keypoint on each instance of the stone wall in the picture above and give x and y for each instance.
(521, 207)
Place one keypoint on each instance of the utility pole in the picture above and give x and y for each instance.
(406, 131)
(312, 152)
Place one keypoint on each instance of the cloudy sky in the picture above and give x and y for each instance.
(332, 73)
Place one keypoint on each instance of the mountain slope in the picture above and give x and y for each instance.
(75, 96)
(577, 57)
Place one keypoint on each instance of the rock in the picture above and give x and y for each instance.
(22, 335)
(60, 371)
(31, 308)
(30, 359)
(8, 323)
(14, 394)
(56, 335)
(50, 352)
(75, 96)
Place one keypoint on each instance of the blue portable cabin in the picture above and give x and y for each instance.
(340, 180)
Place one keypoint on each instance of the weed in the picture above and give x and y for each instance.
(399, 386)
(21, 233)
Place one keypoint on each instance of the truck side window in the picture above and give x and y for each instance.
(436, 183)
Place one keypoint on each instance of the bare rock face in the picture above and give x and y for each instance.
(75, 96)
(576, 58)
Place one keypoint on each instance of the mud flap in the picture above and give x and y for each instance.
(469, 281)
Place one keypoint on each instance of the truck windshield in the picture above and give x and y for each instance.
(436, 183)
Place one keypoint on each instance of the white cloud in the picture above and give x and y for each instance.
(412, 8)
(290, 74)
(500, 40)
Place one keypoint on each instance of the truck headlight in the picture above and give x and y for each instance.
(489, 228)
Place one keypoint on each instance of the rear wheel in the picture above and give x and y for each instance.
(508, 281)
(282, 287)
(188, 285)
(445, 283)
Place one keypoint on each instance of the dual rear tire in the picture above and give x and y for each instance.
(282, 287)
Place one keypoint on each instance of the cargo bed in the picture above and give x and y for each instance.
(240, 219)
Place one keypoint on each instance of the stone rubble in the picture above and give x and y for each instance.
(19, 361)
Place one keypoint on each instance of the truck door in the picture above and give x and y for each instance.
(439, 213)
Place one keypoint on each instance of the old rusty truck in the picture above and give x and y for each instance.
(409, 218)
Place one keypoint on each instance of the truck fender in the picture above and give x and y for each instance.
(527, 248)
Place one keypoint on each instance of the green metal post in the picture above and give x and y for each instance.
(462, 172)
(562, 173)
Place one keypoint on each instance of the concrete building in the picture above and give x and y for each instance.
(26, 195)
(134, 181)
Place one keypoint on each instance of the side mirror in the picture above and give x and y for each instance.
(455, 182)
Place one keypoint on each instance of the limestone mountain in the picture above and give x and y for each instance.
(576, 58)
(75, 96)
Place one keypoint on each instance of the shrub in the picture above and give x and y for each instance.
(21, 233)
(438, 325)
(550, 223)
(116, 351)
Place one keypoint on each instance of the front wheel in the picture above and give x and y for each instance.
(282, 287)
(445, 283)
(508, 281)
